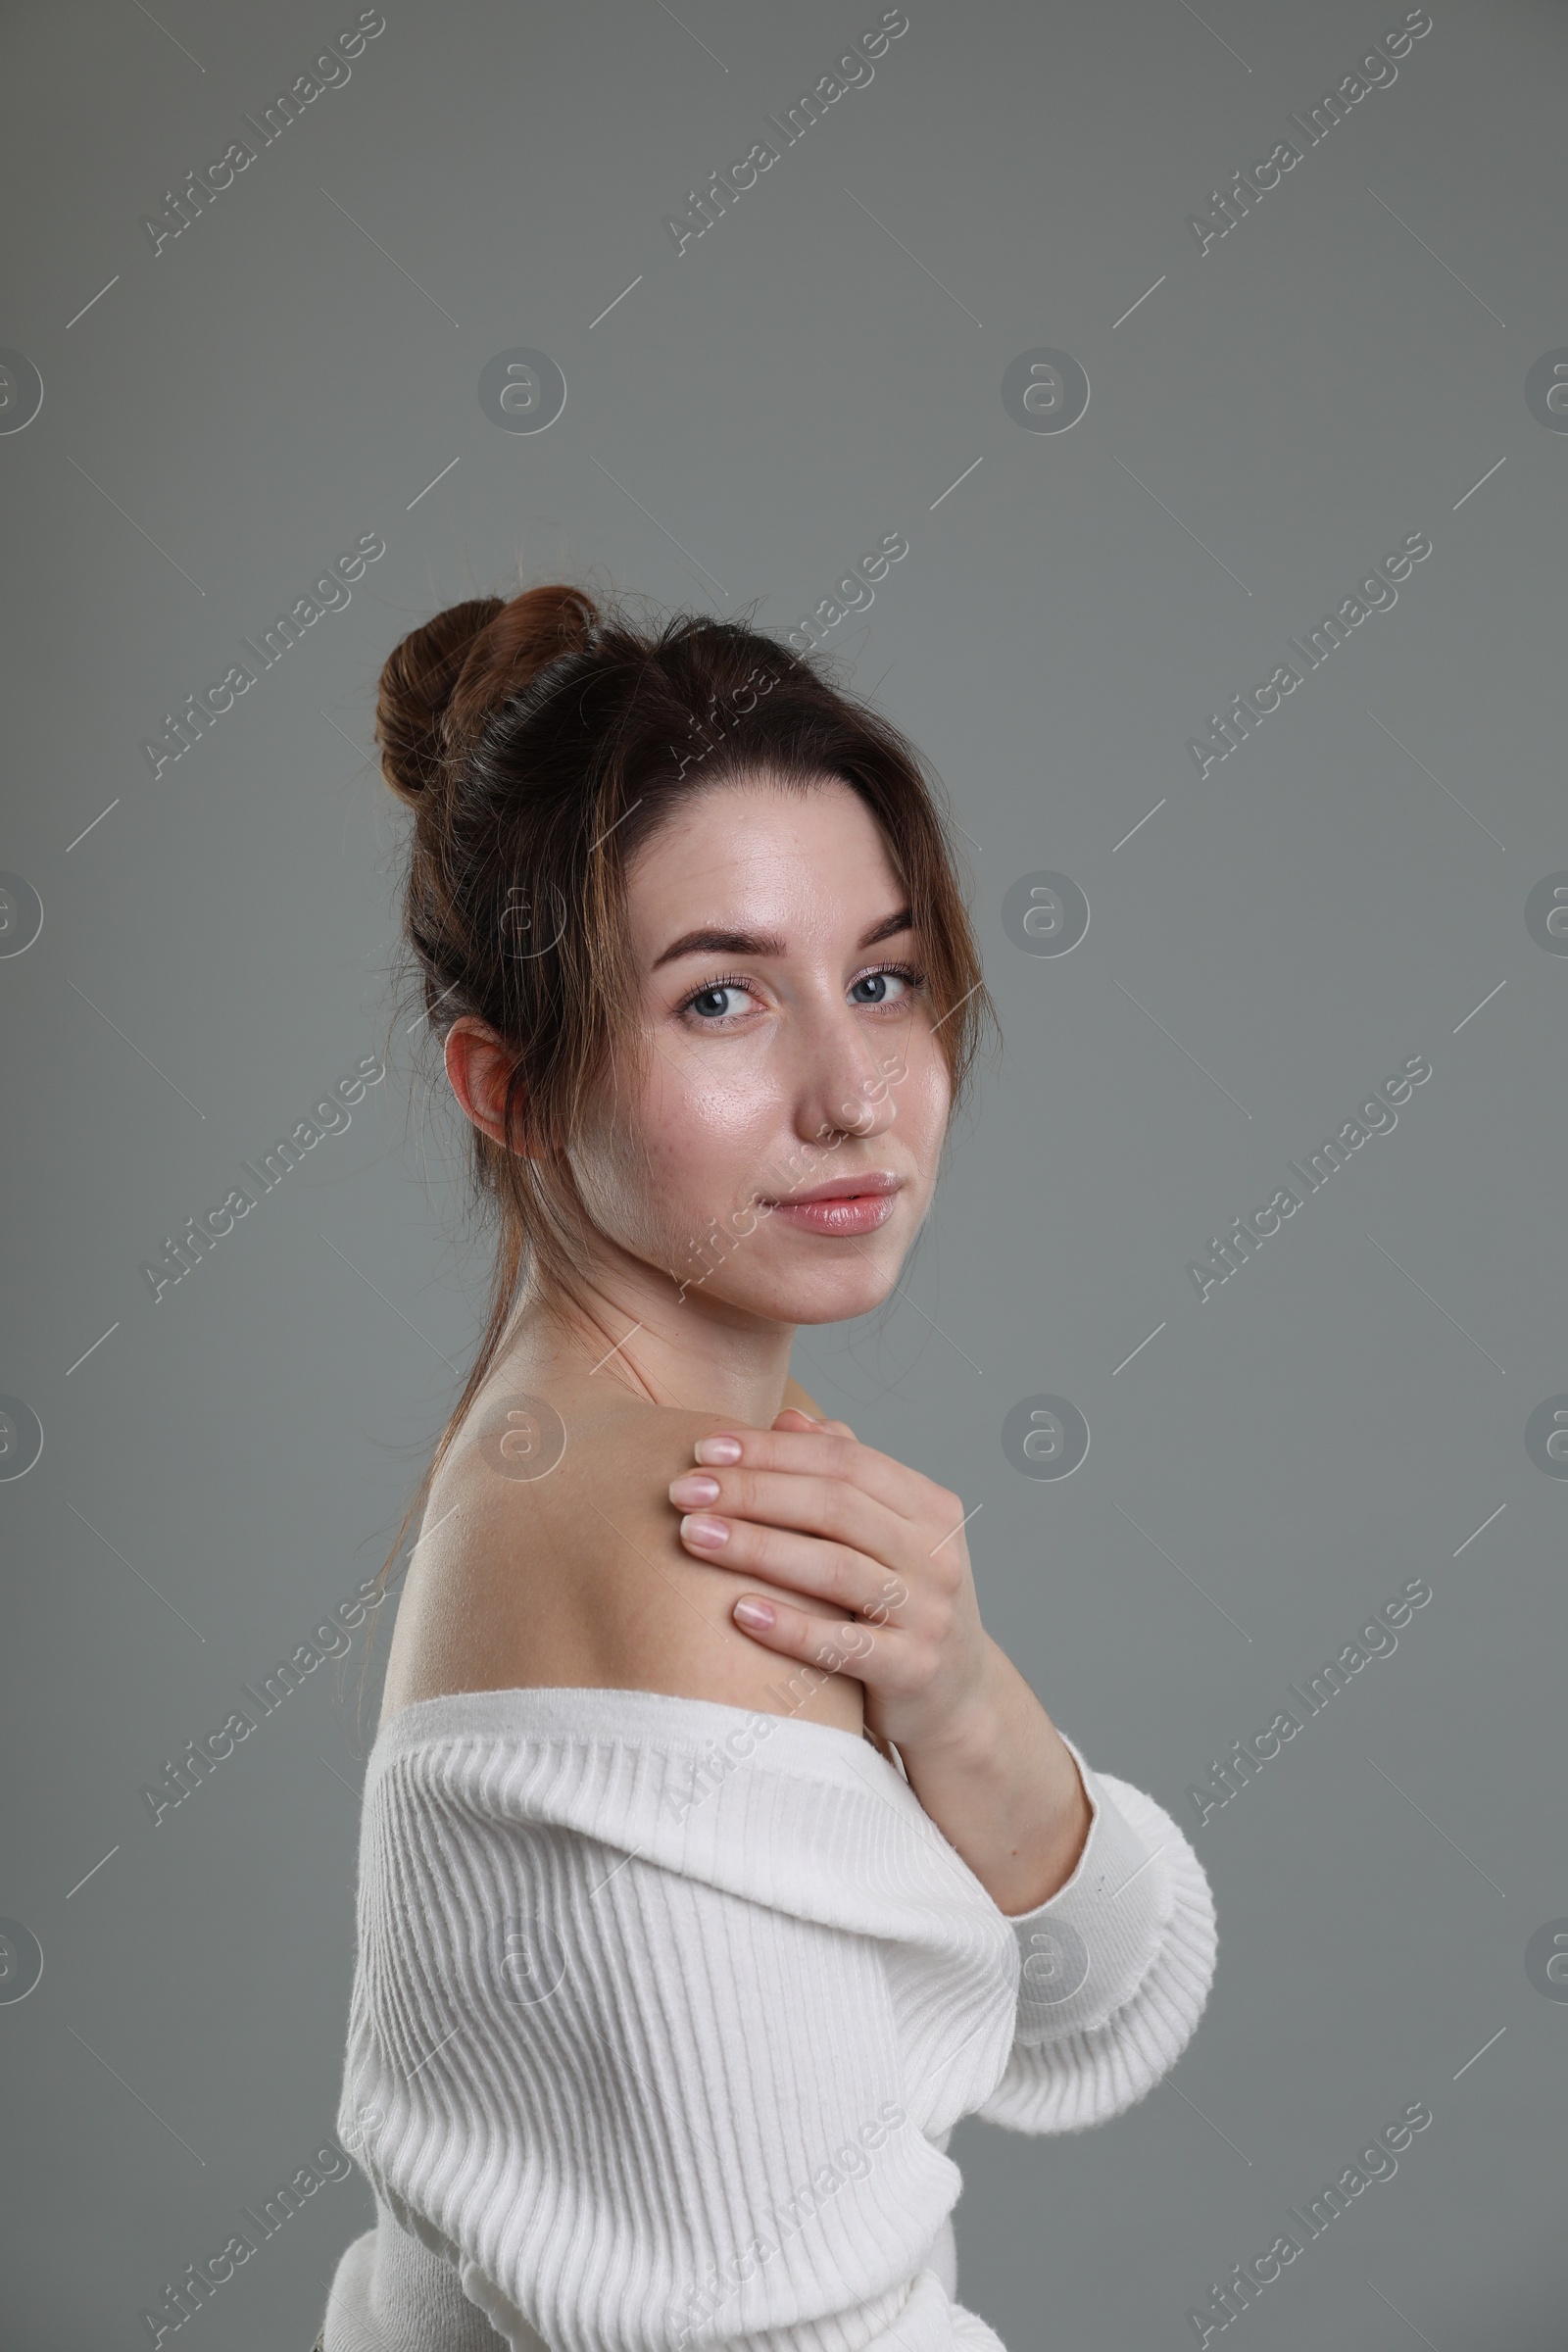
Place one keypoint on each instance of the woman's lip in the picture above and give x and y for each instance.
(842, 1187)
(841, 1213)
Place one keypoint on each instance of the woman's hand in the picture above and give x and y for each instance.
(806, 1506)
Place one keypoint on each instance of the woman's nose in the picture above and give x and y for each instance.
(844, 1082)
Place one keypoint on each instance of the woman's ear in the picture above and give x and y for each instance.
(478, 1067)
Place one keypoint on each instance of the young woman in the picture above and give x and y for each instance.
(714, 1860)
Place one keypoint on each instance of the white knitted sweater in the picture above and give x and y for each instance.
(664, 2013)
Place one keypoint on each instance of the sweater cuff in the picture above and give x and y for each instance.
(1085, 1951)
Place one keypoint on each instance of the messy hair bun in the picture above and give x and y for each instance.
(444, 678)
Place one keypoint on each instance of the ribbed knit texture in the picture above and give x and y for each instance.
(664, 2011)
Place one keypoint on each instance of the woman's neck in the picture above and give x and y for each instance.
(698, 1354)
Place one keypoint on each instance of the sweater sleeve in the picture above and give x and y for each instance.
(1115, 1969)
(638, 2112)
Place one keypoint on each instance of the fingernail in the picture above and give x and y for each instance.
(692, 1487)
(717, 1450)
(754, 1613)
(710, 1532)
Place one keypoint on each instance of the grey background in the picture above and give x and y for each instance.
(1341, 893)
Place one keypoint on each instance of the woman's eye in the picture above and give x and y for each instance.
(881, 988)
(715, 1004)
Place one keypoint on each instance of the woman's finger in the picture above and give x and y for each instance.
(815, 1640)
(815, 1505)
(792, 1417)
(852, 1582)
(830, 1450)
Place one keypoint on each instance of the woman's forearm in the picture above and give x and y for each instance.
(1005, 1790)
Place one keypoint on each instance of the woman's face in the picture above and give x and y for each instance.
(789, 1047)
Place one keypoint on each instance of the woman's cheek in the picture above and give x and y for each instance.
(710, 1160)
(921, 1092)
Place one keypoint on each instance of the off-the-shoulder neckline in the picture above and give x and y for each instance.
(611, 1713)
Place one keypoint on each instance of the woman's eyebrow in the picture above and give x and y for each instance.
(766, 942)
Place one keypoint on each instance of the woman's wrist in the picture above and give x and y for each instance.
(1004, 1789)
(972, 1735)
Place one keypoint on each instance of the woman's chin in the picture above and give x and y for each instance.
(825, 1294)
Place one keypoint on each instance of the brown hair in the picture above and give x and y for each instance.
(539, 741)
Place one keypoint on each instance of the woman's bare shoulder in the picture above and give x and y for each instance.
(577, 1576)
